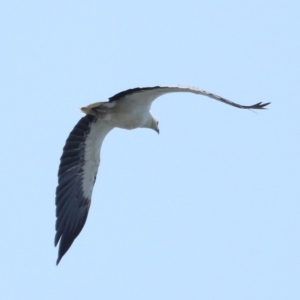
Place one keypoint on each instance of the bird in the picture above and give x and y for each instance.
(79, 162)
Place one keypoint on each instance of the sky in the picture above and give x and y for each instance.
(207, 209)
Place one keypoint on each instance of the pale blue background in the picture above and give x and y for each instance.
(208, 209)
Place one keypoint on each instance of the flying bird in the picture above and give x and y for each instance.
(80, 159)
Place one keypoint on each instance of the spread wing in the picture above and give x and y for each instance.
(149, 94)
(76, 177)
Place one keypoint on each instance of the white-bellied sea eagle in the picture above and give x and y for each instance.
(79, 162)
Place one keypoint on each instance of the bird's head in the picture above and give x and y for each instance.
(154, 125)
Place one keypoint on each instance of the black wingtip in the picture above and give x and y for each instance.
(61, 254)
(58, 260)
(62, 251)
(259, 105)
(64, 246)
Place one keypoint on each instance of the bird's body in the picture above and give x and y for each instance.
(80, 160)
(123, 114)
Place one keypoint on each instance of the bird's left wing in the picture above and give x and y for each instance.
(76, 177)
(149, 94)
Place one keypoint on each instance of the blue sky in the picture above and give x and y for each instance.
(208, 209)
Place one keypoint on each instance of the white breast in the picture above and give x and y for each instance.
(129, 114)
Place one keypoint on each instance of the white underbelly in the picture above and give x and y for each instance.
(126, 122)
(127, 119)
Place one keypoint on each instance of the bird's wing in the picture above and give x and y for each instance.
(149, 94)
(76, 177)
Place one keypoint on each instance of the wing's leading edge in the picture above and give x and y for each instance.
(151, 93)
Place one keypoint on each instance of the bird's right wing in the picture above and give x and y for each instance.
(149, 94)
(76, 177)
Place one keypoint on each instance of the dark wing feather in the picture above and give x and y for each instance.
(125, 93)
(71, 205)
